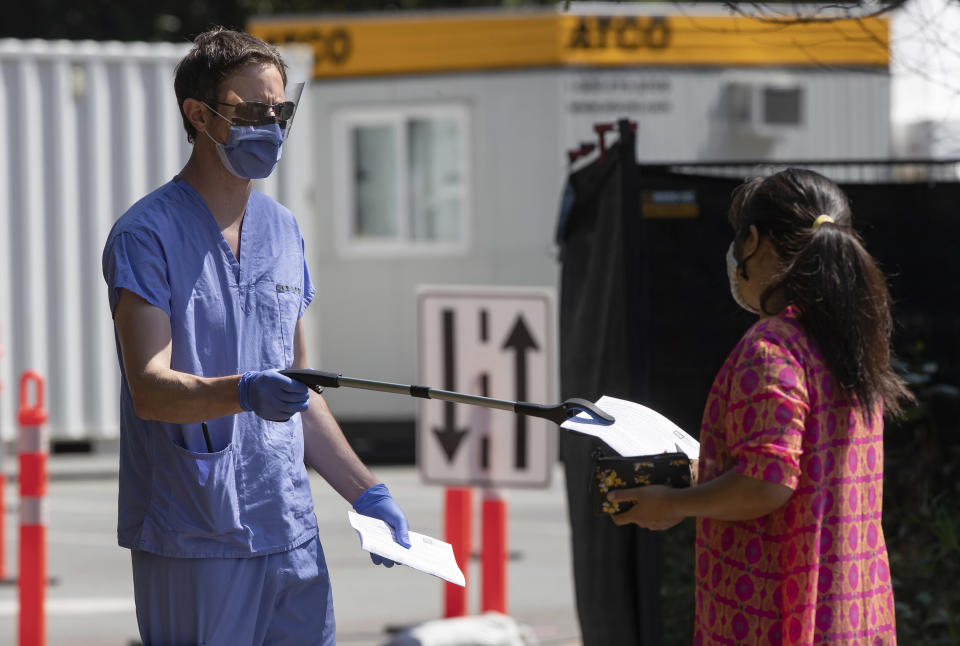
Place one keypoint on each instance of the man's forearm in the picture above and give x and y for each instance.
(160, 392)
(327, 451)
(181, 398)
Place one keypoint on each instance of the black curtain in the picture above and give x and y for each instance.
(604, 348)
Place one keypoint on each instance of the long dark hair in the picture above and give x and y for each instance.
(826, 272)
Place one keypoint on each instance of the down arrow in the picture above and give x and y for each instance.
(449, 436)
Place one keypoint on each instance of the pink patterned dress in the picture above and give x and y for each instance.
(814, 571)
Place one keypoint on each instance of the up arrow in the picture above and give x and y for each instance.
(521, 341)
(449, 436)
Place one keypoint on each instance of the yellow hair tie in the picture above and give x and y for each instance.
(820, 220)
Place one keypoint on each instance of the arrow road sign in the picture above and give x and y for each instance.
(497, 342)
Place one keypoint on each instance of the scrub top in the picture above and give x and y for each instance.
(251, 495)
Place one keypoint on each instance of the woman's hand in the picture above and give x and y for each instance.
(652, 507)
(730, 497)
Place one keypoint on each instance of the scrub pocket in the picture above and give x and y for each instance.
(289, 300)
(195, 494)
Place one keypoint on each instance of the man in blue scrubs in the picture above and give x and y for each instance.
(207, 285)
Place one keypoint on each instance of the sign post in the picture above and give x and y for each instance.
(493, 561)
(458, 531)
(496, 342)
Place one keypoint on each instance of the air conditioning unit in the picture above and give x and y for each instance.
(927, 139)
(763, 108)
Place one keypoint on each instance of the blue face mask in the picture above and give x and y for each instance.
(251, 152)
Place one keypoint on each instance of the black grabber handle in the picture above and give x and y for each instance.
(317, 380)
(314, 379)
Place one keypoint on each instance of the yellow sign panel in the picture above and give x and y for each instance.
(670, 204)
(388, 46)
(423, 43)
(721, 41)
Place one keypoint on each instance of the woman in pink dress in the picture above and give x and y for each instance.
(789, 546)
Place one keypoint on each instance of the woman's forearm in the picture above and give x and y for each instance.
(731, 496)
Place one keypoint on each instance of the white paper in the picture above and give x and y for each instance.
(426, 554)
(638, 430)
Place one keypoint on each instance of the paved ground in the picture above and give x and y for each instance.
(91, 601)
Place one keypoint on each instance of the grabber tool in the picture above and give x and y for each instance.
(317, 380)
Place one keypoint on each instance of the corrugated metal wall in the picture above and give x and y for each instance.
(88, 128)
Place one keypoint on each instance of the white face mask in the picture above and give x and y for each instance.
(735, 282)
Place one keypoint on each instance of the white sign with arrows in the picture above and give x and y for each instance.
(496, 342)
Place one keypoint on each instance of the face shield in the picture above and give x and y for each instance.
(292, 92)
(257, 113)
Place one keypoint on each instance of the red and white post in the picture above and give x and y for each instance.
(458, 517)
(33, 446)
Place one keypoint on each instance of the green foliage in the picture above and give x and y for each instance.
(922, 508)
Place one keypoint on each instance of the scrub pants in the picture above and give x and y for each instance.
(281, 599)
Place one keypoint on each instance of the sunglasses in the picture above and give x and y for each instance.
(255, 113)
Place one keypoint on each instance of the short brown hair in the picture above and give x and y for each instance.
(215, 55)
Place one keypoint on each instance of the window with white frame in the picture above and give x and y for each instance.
(402, 179)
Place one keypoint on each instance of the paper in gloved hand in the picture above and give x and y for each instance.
(426, 554)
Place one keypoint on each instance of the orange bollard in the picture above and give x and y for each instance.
(3, 497)
(494, 548)
(33, 446)
(457, 520)
(3, 521)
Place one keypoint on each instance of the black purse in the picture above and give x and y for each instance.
(617, 472)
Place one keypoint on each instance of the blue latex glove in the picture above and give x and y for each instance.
(272, 396)
(377, 502)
